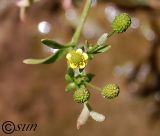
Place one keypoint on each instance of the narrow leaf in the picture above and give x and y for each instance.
(103, 49)
(52, 58)
(99, 49)
(53, 44)
(92, 49)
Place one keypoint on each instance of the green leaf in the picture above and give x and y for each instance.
(70, 72)
(81, 70)
(103, 49)
(52, 58)
(99, 49)
(53, 44)
(70, 87)
(91, 49)
(89, 77)
(90, 56)
(70, 75)
(68, 78)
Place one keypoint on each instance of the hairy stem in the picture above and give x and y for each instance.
(84, 15)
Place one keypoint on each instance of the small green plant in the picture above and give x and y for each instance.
(78, 80)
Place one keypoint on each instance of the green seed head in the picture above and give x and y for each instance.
(81, 95)
(121, 23)
(110, 91)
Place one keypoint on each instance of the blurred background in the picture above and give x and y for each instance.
(36, 93)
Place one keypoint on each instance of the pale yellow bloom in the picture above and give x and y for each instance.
(77, 59)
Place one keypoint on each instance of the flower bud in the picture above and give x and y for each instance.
(110, 91)
(121, 23)
(81, 95)
(68, 78)
(102, 40)
(70, 87)
(97, 116)
(83, 117)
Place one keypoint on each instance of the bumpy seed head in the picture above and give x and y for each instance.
(110, 91)
(81, 95)
(121, 23)
(77, 59)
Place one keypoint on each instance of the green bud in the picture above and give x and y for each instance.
(121, 23)
(110, 91)
(81, 95)
(102, 40)
(68, 78)
(70, 87)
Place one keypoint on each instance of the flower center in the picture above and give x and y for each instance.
(76, 58)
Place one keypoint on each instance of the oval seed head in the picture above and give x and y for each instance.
(81, 95)
(121, 23)
(110, 91)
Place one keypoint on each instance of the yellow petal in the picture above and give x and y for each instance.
(73, 65)
(83, 65)
(79, 51)
(85, 56)
(68, 56)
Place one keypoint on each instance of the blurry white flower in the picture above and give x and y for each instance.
(23, 4)
(66, 4)
(44, 27)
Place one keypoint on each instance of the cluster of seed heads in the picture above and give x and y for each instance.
(119, 25)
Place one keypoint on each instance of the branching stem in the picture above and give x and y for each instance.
(93, 86)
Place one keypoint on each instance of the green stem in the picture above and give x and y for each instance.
(88, 106)
(93, 86)
(84, 15)
(111, 33)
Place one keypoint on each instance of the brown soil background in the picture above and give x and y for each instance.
(36, 93)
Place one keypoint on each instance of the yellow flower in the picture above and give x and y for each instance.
(77, 59)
